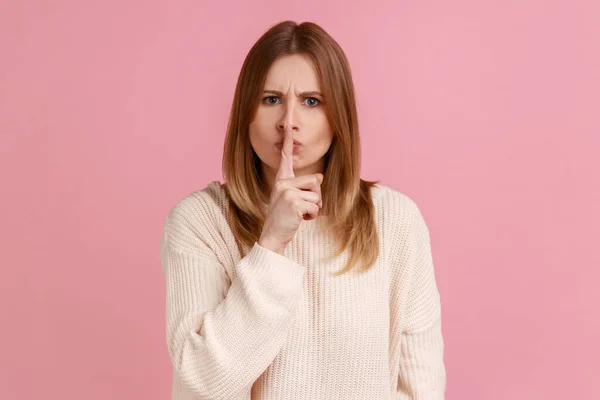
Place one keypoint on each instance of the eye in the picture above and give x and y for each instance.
(269, 99)
(312, 102)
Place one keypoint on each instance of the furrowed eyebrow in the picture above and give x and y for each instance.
(303, 94)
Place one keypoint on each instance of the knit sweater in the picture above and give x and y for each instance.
(261, 325)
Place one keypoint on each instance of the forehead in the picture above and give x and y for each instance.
(294, 70)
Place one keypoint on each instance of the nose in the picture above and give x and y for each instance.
(282, 125)
(288, 119)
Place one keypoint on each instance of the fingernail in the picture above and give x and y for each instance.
(320, 204)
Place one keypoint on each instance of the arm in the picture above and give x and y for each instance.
(422, 374)
(222, 337)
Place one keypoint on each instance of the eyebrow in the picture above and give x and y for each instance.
(303, 94)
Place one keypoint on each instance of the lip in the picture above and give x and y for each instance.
(296, 143)
(279, 146)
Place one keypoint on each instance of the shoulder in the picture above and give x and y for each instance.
(398, 215)
(394, 202)
(196, 216)
(200, 204)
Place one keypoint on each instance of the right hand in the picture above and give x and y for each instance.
(293, 199)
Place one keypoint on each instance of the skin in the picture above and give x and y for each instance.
(287, 103)
(293, 174)
(292, 200)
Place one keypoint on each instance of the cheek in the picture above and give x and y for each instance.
(261, 142)
(319, 145)
(261, 127)
(325, 133)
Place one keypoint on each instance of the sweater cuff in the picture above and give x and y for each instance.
(272, 268)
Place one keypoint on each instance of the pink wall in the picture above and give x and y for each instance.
(485, 112)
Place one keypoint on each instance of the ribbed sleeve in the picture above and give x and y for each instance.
(222, 335)
(422, 373)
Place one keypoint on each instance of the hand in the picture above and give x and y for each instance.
(292, 200)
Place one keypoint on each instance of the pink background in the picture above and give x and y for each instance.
(484, 112)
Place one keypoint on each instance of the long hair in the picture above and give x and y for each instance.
(346, 197)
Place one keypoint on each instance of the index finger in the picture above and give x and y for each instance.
(286, 166)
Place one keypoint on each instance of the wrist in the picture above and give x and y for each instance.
(272, 245)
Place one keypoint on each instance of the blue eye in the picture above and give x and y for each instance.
(268, 98)
(309, 101)
(315, 102)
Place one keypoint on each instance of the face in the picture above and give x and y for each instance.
(291, 97)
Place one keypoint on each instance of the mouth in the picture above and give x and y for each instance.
(297, 146)
(296, 143)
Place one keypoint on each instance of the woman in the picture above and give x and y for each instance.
(295, 279)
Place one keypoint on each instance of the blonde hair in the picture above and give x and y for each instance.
(346, 197)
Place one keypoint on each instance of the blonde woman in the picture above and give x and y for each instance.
(295, 278)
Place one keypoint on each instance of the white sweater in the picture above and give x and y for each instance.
(266, 326)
